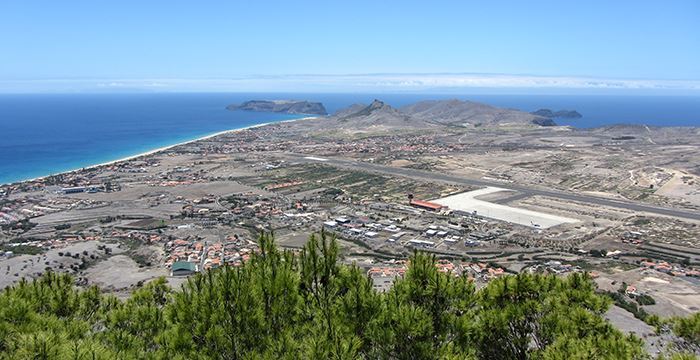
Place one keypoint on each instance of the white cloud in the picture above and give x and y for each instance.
(350, 82)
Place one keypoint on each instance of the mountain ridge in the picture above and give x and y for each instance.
(432, 113)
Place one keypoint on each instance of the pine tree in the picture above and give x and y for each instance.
(279, 305)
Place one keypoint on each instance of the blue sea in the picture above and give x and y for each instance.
(50, 133)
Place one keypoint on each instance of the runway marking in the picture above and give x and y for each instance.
(315, 158)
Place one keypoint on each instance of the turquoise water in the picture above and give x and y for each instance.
(45, 134)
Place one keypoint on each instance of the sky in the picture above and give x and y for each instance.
(173, 45)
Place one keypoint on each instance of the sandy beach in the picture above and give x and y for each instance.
(163, 148)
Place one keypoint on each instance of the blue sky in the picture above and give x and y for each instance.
(219, 45)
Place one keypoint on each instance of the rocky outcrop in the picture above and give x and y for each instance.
(281, 106)
(352, 109)
(376, 114)
(561, 114)
(543, 121)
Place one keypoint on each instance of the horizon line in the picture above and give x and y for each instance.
(382, 82)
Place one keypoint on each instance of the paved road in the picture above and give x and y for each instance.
(434, 176)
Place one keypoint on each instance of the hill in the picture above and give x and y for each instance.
(427, 115)
(458, 112)
(374, 116)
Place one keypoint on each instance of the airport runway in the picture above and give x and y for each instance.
(433, 176)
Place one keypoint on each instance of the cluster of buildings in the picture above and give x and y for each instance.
(632, 237)
(640, 230)
(236, 207)
(28, 207)
(384, 275)
(90, 189)
(185, 257)
(46, 202)
(254, 205)
(668, 268)
(364, 228)
(7, 216)
(181, 250)
(54, 242)
(243, 141)
(396, 146)
(555, 267)
(411, 233)
(481, 271)
(260, 140)
(145, 237)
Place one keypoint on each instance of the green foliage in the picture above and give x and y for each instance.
(62, 226)
(22, 249)
(644, 299)
(23, 225)
(679, 356)
(310, 306)
(620, 300)
(688, 329)
(528, 314)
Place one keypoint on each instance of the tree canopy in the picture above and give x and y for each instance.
(284, 306)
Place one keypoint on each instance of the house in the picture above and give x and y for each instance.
(356, 231)
(392, 228)
(73, 190)
(421, 243)
(330, 224)
(183, 268)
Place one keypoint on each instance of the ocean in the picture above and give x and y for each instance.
(46, 134)
(42, 134)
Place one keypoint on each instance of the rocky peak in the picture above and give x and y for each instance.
(376, 107)
(376, 104)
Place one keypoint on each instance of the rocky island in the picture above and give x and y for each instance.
(562, 114)
(281, 106)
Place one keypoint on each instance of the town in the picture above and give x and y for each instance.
(202, 205)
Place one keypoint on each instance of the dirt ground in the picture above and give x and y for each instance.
(120, 272)
(674, 296)
(32, 265)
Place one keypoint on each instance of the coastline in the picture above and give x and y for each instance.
(157, 150)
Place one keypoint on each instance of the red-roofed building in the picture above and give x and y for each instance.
(426, 205)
